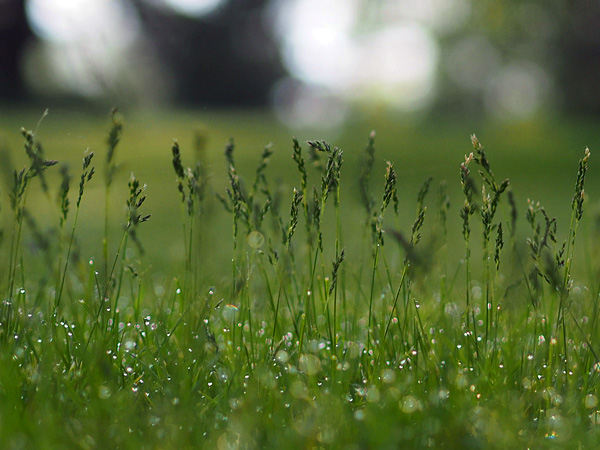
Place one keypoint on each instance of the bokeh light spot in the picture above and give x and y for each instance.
(196, 8)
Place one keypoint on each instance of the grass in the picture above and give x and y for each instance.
(336, 300)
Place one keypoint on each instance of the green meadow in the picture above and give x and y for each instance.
(208, 279)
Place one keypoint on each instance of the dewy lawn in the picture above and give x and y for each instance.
(331, 301)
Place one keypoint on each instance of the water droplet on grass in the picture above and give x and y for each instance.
(229, 312)
(388, 376)
(310, 364)
(552, 435)
(590, 401)
(359, 414)
(409, 405)
(282, 356)
(255, 239)
(153, 421)
(373, 395)
(104, 392)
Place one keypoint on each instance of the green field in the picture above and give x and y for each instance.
(537, 156)
(358, 314)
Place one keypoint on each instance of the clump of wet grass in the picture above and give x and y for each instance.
(312, 337)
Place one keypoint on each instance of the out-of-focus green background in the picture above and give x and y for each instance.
(539, 156)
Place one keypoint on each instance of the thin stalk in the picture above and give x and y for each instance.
(105, 237)
(68, 257)
(371, 295)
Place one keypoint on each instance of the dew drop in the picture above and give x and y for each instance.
(359, 414)
(310, 364)
(282, 356)
(388, 376)
(590, 401)
(104, 392)
(255, 239)
(409, 404)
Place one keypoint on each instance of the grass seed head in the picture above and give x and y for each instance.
(466, 181)
(294, 210)
(578, 197)
(513, 212)
(314, 155)
(480, 157)
(299, 160)
(316, 215)
(86, 175)
(20, 181)
(114, 137)
(331, 178)
(365, 175)
(134, 203)
(334, 272)
(376, 230)
(389, 188)
(423, 193)
(320, 146)
(114, 134)
(229, 148)
(415, 237)
(177, 165)
(63, 197)
(35, 153)
(499, 245)
(259, 177)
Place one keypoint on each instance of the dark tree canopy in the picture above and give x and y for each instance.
(14, 36)
(578, 73)
(231, 57)
(228, 58)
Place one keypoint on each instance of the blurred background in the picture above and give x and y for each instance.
(314, 62)
(523, 75)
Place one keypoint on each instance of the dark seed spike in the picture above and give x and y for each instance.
(177, 165)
